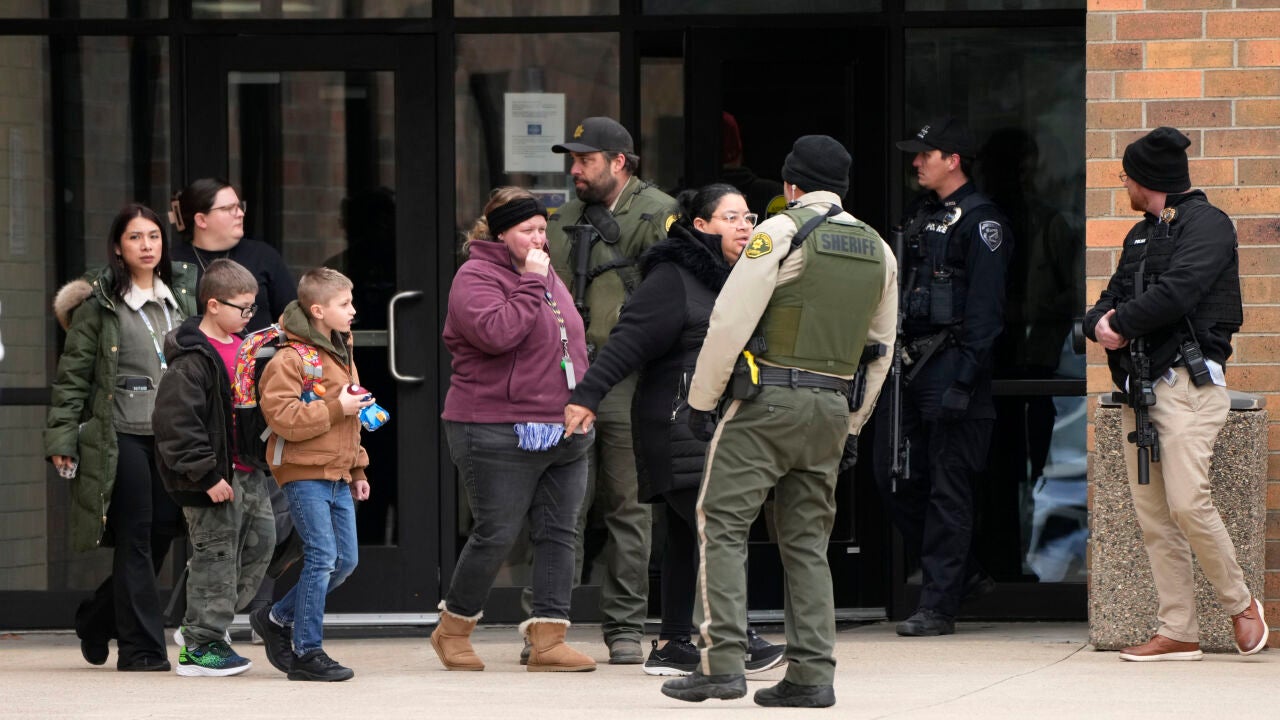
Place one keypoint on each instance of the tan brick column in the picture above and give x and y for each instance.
(1210, 68)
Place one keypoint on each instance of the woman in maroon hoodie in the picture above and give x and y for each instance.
(518, 348)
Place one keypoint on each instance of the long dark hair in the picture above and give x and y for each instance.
(702, 202)
(198, 197)
(121, 277)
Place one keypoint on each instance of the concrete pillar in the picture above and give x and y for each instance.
(1122, 596)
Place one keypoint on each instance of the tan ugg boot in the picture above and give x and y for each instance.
(452, 640)
(550, 653)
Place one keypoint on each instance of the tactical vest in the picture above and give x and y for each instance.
(818, 321)
(1156, 244)
(938, 256)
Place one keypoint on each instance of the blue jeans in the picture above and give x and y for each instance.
(324, 516)
(505, 485)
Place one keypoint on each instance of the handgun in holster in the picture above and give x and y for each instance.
(744, 383)
(858, 385)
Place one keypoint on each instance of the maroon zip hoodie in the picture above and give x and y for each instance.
(505, 342)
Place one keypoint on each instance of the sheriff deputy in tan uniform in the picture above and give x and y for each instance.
(818, 303)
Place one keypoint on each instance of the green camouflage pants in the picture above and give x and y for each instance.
(231, 545)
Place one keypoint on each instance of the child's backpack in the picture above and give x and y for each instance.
(257, 349)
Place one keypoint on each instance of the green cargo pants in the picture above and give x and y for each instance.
(231, 545)
(789, 440)
(612, 488)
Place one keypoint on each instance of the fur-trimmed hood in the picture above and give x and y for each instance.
(70, 297)
(695, 251)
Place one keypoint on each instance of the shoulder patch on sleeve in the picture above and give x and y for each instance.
(761, 244)
(670, 219)
(990, 232)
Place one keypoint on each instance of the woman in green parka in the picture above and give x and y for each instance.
(99, 435)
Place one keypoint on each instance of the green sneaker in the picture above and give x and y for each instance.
(215, 659)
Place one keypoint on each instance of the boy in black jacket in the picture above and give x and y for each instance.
(226, 504)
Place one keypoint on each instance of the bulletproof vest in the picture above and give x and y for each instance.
(818, 321)
(937, 251)
(1155, 243)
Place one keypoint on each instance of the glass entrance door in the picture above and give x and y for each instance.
(743, 111)
(330, 142)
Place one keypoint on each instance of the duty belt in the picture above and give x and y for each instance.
(795, 378)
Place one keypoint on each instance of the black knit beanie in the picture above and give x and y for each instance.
(1158, 161)
(818, 162)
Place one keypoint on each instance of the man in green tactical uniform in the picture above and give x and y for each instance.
(821, 285)
(626, 215)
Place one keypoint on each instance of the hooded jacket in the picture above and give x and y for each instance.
(659, 333)
(192, 419)
(80, 420)
(311, 440)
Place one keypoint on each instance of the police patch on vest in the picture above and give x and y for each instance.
(761, 244)
(846, 245)
(989, 231)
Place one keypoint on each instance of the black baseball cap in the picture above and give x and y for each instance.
(596, 134)
(948, 134)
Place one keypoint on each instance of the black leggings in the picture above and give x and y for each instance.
(142, 520)
(679, 564)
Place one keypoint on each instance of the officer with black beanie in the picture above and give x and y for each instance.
(956, 261)
(818, 162)
(820, 285)
(1185, 250)
(1158, 161)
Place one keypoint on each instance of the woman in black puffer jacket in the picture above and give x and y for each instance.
(660, 333)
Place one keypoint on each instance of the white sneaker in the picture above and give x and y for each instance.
(181, 642)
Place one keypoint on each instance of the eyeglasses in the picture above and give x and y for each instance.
(733, 218)
(231, 209)
(1124, 177)
(245, 312)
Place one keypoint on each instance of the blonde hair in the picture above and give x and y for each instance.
(498, 197)
(318, 286)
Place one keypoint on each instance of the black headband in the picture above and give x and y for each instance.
(505, 217)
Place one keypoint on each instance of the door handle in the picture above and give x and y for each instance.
(391, 336)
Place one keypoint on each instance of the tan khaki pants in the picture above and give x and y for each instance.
(1175, 510)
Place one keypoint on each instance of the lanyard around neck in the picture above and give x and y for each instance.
(155, 342)
(566, 362)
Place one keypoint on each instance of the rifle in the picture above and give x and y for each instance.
(1141, 395)
(901, 464)
(581, 239)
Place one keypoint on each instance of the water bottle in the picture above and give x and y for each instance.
(373, 416)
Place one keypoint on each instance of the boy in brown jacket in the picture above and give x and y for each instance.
(315, 454)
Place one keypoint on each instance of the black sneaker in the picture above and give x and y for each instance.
(696, 687)
(278, 639)
(678, 658)
(927, 623)
(762, 654)
(316, 665)
(788, 694)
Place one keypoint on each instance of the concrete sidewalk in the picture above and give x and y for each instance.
(988, 670)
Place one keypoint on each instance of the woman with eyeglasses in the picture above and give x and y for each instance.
(660, 333)
(209, 215)
(99, 435)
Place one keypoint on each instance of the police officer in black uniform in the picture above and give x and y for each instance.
(957, 253)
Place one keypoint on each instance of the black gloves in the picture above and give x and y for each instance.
(955, 402)
(850, 456)
(702, 423)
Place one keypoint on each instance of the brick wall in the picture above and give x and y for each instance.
(1211, 68)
